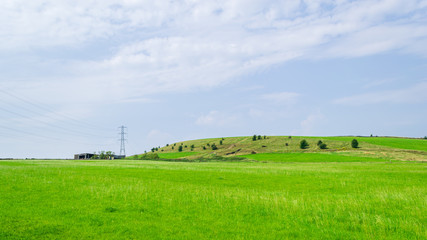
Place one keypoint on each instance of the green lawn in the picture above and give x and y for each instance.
(124, 199)
(310, 157)
(400, 143)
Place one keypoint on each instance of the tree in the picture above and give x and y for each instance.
(254, 138)
(259, 137)
(180, 148)
(322, 146)
(204, 148)
(220, 142)
(354, 143)
(265, 137)
(109, 155)
(214, 147)
(319, 142)
(303, 144)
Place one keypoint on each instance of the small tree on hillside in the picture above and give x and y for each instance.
(319, 142)
(254, 138)
(259, 137)
(354, 143)
(322, 146)
(220, 142)
(214, 147)
(303, 144)
(180, 148)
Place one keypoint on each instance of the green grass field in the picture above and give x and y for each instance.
(124, 199)
(310, 157)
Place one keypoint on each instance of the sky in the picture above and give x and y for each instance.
(73, 72)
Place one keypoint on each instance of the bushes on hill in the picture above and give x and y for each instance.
(147, 156)
(319, 142)
(180, 148)
(323, 146)
(214, 147)
(254, 138)
(303, 144)
(354, 143)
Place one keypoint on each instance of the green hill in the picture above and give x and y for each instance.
(287, 149)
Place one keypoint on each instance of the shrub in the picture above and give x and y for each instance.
(204, 148)
(254, 138)
(303, 144)
(214, 147)
(220, 142)
(286, 144)
(173, 148)
(322, 146)
(259, 137)
(265, 137)
(319, 142)
(149, 156)
(180, 148)
(354, 143)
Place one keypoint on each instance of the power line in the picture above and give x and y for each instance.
(50, 110)
(79, 133)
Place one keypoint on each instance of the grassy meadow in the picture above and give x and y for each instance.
(125, 199)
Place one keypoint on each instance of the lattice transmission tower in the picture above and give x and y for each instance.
(122, 140)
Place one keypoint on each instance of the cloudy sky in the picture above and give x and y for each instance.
(72, 72)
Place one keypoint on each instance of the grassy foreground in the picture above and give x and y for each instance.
(215, 200)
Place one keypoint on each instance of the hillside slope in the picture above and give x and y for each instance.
(282, 147)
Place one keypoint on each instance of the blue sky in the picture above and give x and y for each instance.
(73, 72)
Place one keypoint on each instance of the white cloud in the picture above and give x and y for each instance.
(158, 138)
(413, 94)
(216, 118)
(287, 98)
(308, 125)
(161, 46)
